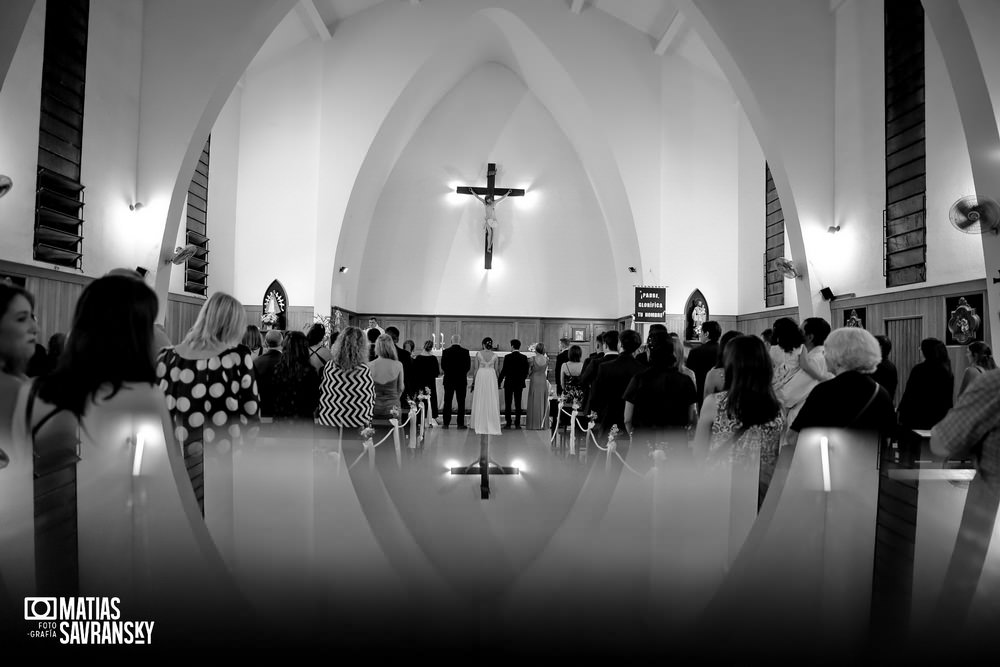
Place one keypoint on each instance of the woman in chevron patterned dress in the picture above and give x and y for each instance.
(347, 391)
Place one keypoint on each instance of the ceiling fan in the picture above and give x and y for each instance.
(975, 215)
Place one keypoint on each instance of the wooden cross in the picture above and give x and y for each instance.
(488, 196)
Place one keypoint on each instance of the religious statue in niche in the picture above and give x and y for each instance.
(855, 317)
(338, 320)
(964, 322)
(696, 314)
(274, 308)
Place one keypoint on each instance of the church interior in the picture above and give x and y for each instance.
(747, 160)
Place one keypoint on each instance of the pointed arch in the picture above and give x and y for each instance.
(696, 313)
(497, 36)
(274, 312)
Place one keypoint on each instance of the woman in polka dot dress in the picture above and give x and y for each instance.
(211, 392)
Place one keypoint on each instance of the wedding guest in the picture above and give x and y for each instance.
(852, 399)
(18, 333)
(210, 386)
(319, 353)
(660, 401)
(263, 367)
(571, 370)
(57, 343)
(590, 370)
(642, 356)
(928, 393)
(538, 390)
(598, 352)
(715, 379)
(253, 339)
(99, 401)
(387, 373)
(561, 358)
(742, 424)
(409, 346)
(372, 335)
(681, 361)
(980, 358)
(295, 382)
(426, 370)
(766, 336)
(38, 364)
(885, 374)
(702, 358)
(613, 378)
(347, 391)
(405, 359)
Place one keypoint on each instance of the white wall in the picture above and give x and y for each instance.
(700, 188)
(112, 233)
(20, 99)
(278, 180)
(425, 246)
(752, 240)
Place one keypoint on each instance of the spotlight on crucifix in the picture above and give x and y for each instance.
(484, 467)
(488, 196)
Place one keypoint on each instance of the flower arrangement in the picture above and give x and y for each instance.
(592, 418)
(394, 413)
(269, 319)
(573, 396)
(327, 325)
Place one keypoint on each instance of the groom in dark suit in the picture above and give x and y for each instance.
(455, 365)
(515, 371)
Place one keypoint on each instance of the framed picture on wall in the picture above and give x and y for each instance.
(856, 317)
(578, 334)
(963, 316)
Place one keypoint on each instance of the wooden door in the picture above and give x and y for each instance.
(905, 333)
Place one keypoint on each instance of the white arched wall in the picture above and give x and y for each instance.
(424, 234)
(788, 97)
(963, 56)
(15, 18)
(491, 35)
(189, 68)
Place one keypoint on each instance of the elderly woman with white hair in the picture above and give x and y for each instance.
(852, 399)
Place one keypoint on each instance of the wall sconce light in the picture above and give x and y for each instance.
(136, 206)
(632, 269)
(833, 229)
(343, 269)
(5, 184)
(141, 271)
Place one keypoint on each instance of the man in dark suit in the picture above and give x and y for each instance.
(609, 341)
(561, 359)
(455, 365)
(263, 370)
(612, 379)
(598, 353)
(515, 371)
(406, 359)
(702, 358)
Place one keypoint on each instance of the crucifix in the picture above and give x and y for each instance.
(488, 196)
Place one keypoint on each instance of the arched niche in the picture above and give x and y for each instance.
(696, 313)
(274, 312)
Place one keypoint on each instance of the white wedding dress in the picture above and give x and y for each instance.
(486, 396)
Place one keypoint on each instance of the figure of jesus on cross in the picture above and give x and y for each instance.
(488, 197)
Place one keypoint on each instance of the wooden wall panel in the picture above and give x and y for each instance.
(755, 323)
(528, 332)
(182, 311)
(450, 327)
(55, 302)
(419, 330)
(927, 303)
(297, 318)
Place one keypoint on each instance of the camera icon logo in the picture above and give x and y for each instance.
(40, 609)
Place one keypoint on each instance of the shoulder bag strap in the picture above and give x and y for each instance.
(871, 399)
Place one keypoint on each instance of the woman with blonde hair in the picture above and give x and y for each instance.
(387, 374)
(347, 392)
(210, 386)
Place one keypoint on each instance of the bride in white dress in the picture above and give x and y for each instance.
(486, 395)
